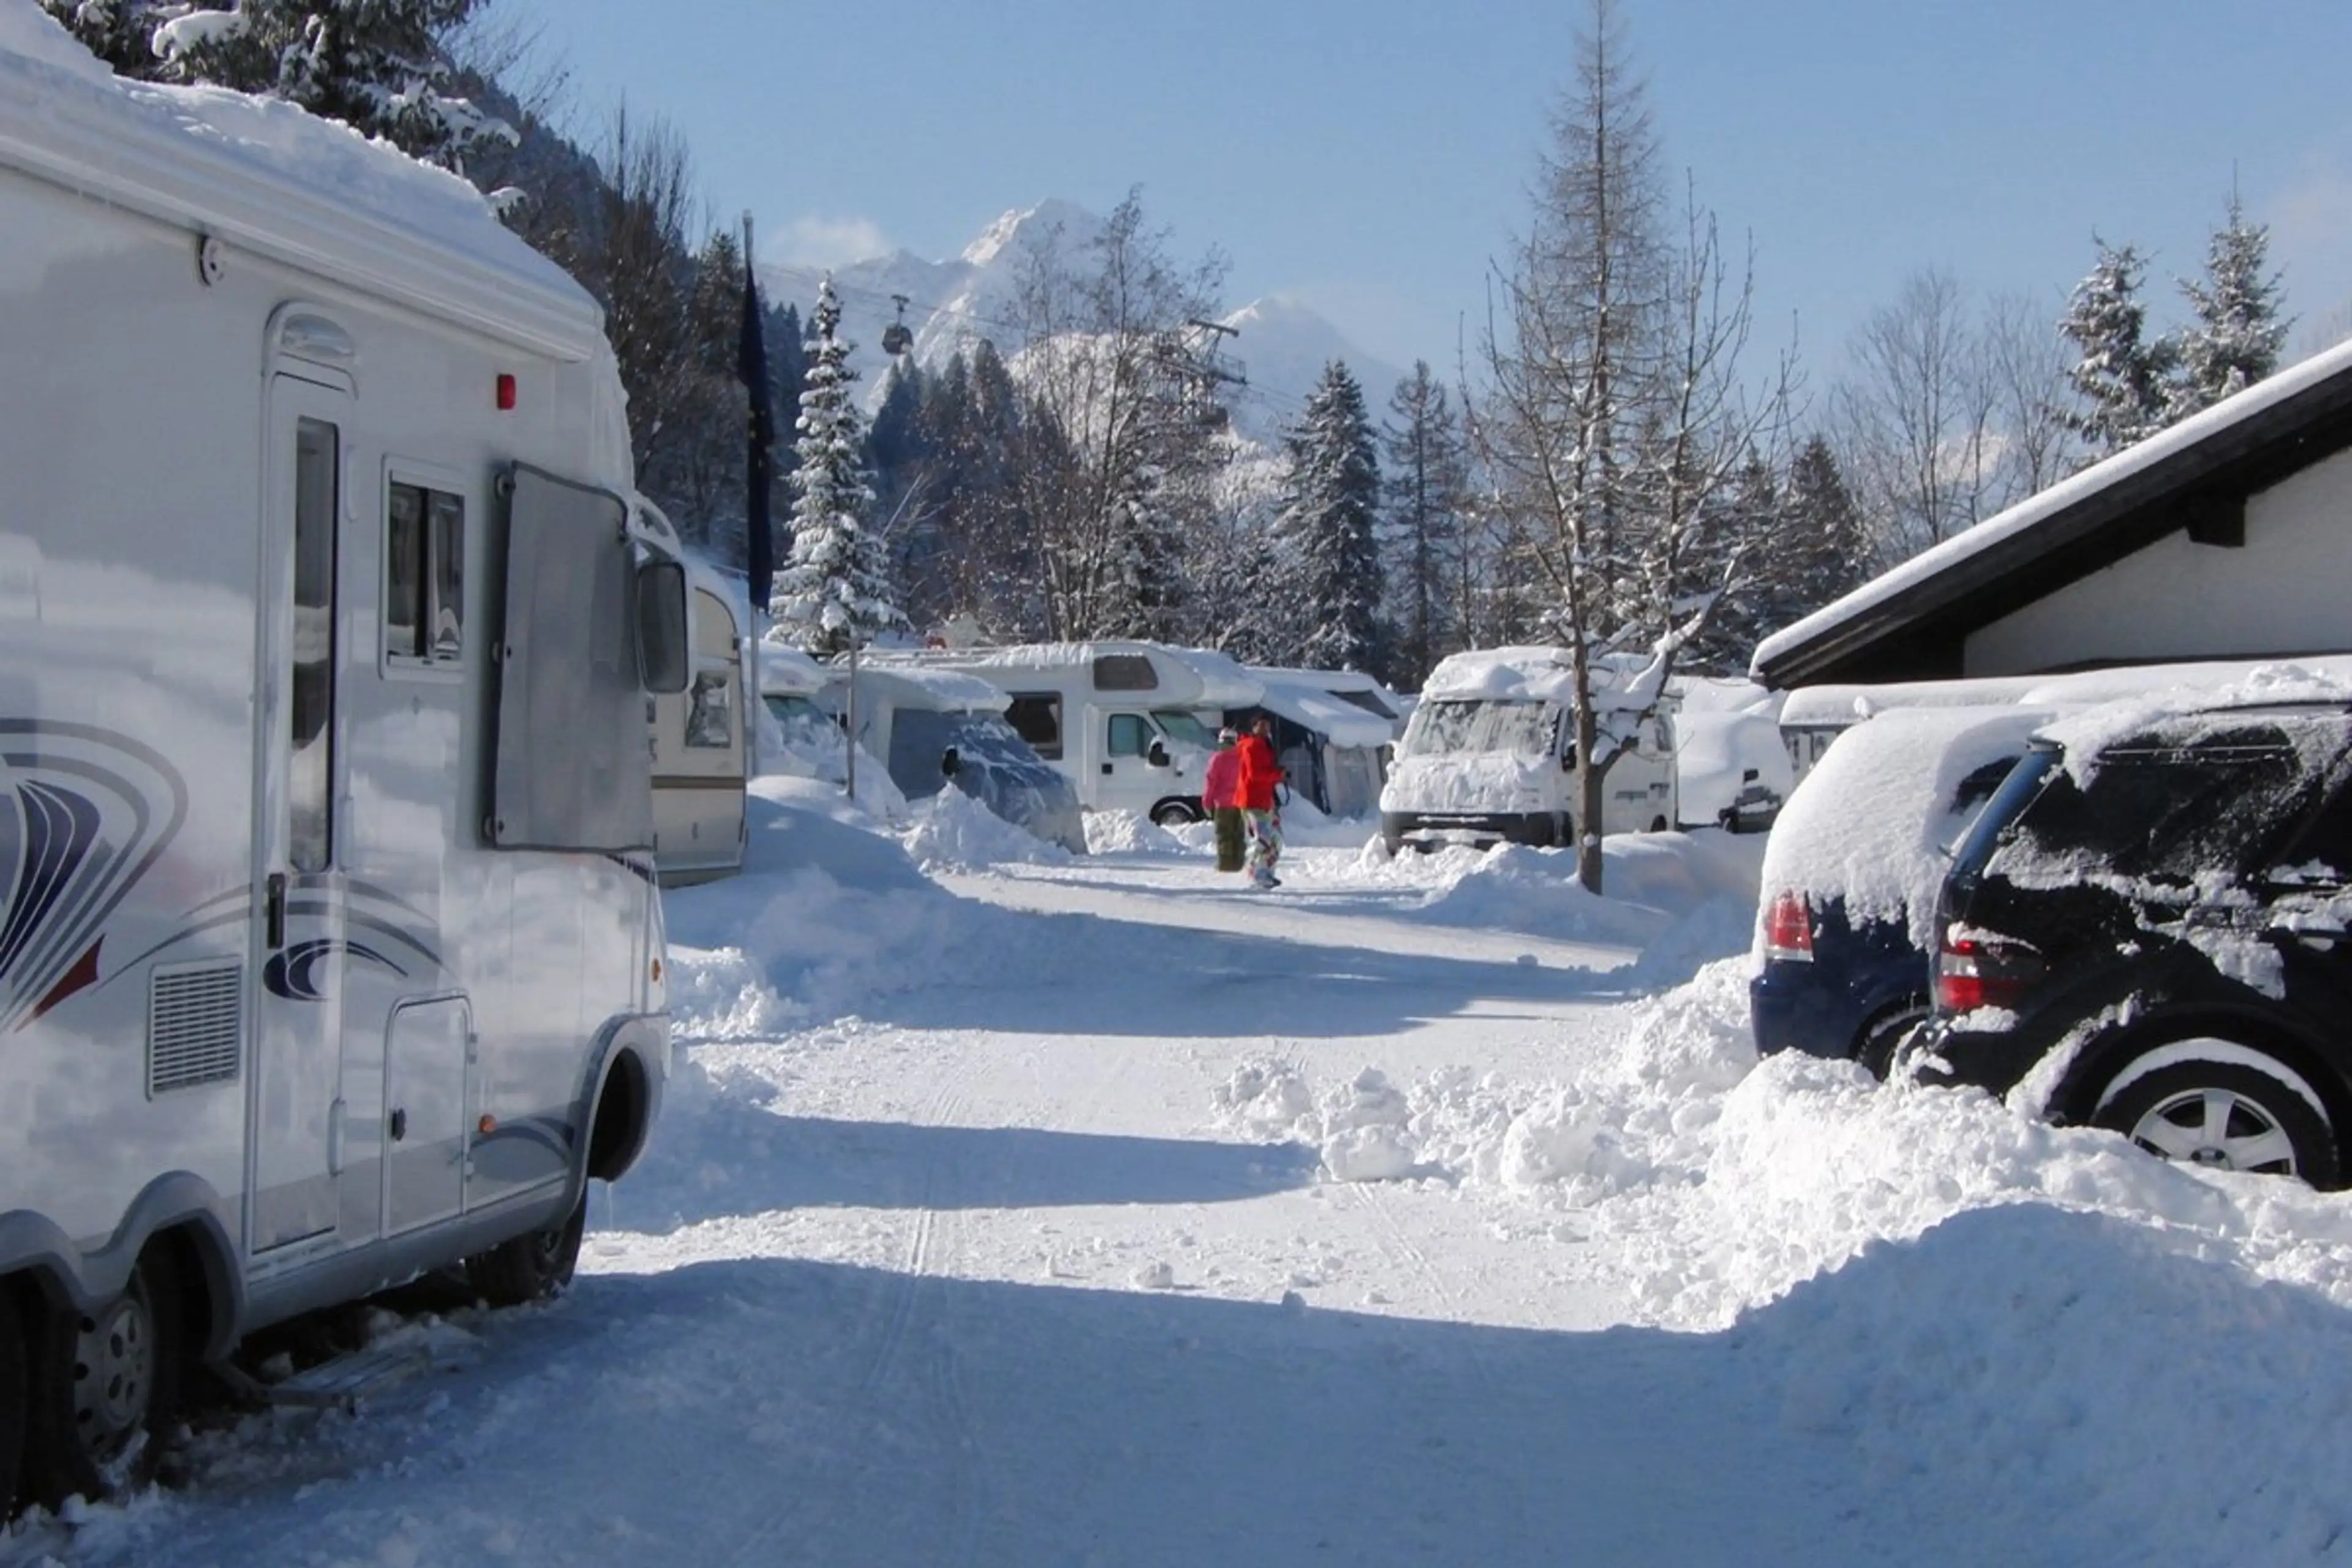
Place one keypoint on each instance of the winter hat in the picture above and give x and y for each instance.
(1225, 737)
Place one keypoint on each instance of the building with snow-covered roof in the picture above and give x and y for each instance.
(2221, 538)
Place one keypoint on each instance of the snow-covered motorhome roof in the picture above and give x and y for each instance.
(912, 686)
(2198, 473)
(1537, 674)
(1305, 701)
(1836, 706)
(1361, 687)
(1189, 676)
(267, 177)
(786, 671)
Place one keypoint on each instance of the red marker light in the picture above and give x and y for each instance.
(506, 390)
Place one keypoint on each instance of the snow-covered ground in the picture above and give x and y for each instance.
(1093, 1209)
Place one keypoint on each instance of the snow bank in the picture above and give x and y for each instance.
(1132, 833)
(954, 832)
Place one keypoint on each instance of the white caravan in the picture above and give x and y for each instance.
(1129, 724)
(702, 741)
(1489, 754)
(799, 735)
(1332, 733)
(934, 728)
(332, 952)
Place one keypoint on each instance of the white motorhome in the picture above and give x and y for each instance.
(1489, 754)
(935, 728)
(799, 735)
(1129, 724)
(702, 740)
(1332, 732)
(332, 952)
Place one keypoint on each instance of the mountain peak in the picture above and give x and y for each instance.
(1030, 225)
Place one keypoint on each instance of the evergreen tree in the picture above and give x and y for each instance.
(835, 593)
(1832, 540)
(379, 66)
(1428, 471)
(2237, 332)
(2122, 377)
(1330, 505)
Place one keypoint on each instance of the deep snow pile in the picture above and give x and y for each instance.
(951, 831)
(1132, 833)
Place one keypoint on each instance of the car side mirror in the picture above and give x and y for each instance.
(1156, 754)
(951, 762)
(662, 667)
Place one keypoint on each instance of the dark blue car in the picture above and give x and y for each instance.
(1851, 872)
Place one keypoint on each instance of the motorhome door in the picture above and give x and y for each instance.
(297, 898)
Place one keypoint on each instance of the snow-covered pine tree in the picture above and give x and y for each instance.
(2123, 377)
(382, 67)
(1331, 506)
(2237, 332)
(835, 593)
(1428, 472)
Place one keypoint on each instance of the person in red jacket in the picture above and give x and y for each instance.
(1221, 797)
(1260, 774)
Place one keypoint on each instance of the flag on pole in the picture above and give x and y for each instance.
(758, 469)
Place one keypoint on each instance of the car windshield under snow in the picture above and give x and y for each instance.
(1521, 729)
(2167, 813)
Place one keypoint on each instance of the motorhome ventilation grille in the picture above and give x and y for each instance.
(195, 1026)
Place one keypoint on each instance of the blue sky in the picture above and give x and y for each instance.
(1370, 156)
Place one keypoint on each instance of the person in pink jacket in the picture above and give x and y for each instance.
(1221, 797)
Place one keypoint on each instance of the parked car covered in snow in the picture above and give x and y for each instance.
(934, 728)
(2150, 929)
(1489, 754)
(1850, 875)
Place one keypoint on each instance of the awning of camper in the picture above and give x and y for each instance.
(1337, 719)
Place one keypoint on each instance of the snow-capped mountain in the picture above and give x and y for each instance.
(1282, 343)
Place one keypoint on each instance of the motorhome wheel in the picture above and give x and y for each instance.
(13, 1403)
(536, 1264)
(1173, 813)
(105, 1386)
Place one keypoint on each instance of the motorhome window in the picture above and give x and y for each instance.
(310, 761)
(1184, 726)
(709, 715)
(1129, 735)
(1036, 718)
(423, 576)
(1125, 672)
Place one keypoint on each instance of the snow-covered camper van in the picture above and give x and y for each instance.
(332, 952)
(934, 728)
(702, 741)
(1490, 752)
(799, 735)
(1129, 724)
(1331, 734)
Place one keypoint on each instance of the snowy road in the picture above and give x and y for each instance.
(993, 1220)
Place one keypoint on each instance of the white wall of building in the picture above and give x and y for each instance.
(2288, 590)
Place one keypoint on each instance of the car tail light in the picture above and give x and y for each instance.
(1982, 969)
(1788, 930)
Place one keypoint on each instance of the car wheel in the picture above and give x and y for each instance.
(1173, 813)
(528, 1267)
(104, 1387)
(2229, 1115)
(1874, 1047)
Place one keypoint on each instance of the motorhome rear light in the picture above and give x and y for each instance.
(1789, 929)
(487, 1125)
(657, 969)
(1978, 969)
(506, 390)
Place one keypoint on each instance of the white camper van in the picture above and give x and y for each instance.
(702, 741)
(800, 735)
(934, 728)
(1332, 733)
(1489, 754)
(331, 952)
(1129, 724)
